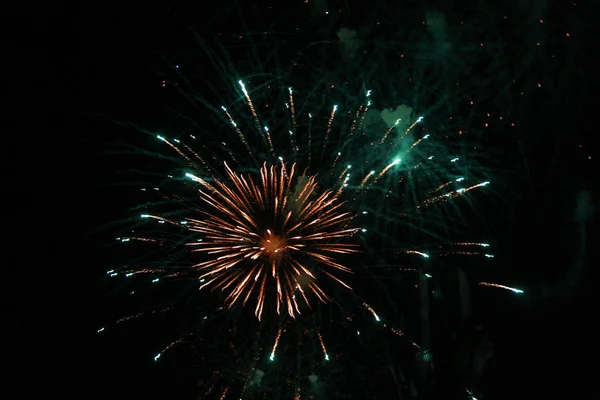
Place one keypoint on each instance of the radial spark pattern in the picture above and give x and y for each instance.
(236, 220)
(270, 235)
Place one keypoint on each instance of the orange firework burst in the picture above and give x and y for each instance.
(270, 235)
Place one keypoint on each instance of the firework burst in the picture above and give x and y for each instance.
(278, 237)
(261, 232)
(272, 236)
(267, 235)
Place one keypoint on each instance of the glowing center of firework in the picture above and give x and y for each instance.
(272, 245)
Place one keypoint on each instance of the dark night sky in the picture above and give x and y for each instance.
(98, 62)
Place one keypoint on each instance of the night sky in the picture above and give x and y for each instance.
(108, 64)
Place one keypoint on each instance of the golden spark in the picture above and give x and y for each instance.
(271, 237)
